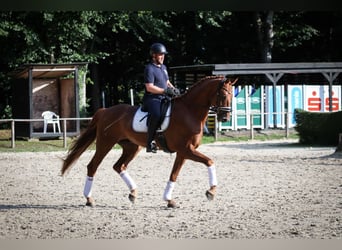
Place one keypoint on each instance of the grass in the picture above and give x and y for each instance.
(240, 136)
(36, 145)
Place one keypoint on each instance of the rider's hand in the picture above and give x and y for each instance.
(171, 91)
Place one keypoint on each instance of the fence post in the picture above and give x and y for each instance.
(339, 146)
(287, 122)
(215, 127)
(13, 134)
(251, 125)
(64, 134)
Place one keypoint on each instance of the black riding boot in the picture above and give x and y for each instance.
(151, 131)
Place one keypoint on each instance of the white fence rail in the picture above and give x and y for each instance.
(250, 127)
(63, 120)
(286, 125)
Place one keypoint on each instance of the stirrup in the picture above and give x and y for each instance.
(151, 147)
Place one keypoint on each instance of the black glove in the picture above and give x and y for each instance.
(171, 91)
(176, 91)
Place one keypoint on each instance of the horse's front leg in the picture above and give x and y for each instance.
(212, 182)
(193, 154)
(179, 161)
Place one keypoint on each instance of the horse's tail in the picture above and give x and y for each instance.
(80, 145)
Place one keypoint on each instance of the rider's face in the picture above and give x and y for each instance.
(158, 58)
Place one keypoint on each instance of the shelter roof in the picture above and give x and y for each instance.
(269, 73)
(46, 70)
(264, 68)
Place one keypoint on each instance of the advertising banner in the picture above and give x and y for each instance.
(295, 100)
(241, 108)
(280, 116)
(316, 98)
(256, 106)
(247, 100)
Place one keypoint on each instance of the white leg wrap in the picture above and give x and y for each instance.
(128, 180)
(168, 190)
(212, 176)
(87, 187)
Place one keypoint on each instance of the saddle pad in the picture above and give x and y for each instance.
(140, 118)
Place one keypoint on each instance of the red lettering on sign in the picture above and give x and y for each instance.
(314, 104)
(334, 104)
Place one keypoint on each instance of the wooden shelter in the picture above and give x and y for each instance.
(45, 87)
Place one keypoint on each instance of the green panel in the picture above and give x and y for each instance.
(241, 108)
(256, 106)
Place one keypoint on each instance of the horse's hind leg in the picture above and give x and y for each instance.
(129, 151)
(102, 149)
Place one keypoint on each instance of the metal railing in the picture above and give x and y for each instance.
(251, 116)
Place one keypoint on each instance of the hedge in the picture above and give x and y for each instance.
(318, 128)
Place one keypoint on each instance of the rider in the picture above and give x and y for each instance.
(157, 85)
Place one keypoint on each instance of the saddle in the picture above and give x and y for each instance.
(140, 119)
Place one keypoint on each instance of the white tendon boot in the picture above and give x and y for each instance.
(168, 191)
(212, 176)
(87, 191)
(130, 184)
(128, 180)
(212, 183)
(88, 186)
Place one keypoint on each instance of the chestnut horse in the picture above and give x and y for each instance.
(183, 135)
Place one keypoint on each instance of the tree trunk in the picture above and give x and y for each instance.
(264, 28)
(82, 91)
(95, 88)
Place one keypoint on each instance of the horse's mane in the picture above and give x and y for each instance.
(198, 83)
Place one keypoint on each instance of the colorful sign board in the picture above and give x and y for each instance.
(279, 113)
(313, 98)
(249, 100)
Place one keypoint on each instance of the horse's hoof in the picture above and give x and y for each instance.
(172, 204)
(210, 195)
(131, 198)
(90, 202)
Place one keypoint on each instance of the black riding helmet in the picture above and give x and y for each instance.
(158, 48)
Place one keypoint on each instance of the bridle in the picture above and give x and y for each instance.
(217, 108)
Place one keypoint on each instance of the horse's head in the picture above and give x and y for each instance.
(223, 106)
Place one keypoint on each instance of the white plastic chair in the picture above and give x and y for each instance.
(51, 118)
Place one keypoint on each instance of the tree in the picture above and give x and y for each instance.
(264, 27)
(116, 44)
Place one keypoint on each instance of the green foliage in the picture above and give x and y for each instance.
(318, 127)
(291, 31)
(118, 42)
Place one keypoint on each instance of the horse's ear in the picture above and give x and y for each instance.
(237, 78)
(231, 81)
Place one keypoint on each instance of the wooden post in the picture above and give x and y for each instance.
(251, 123)
(339, 146)
(215, 128)
(287, 122)
(13, 134)
(64, 134)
